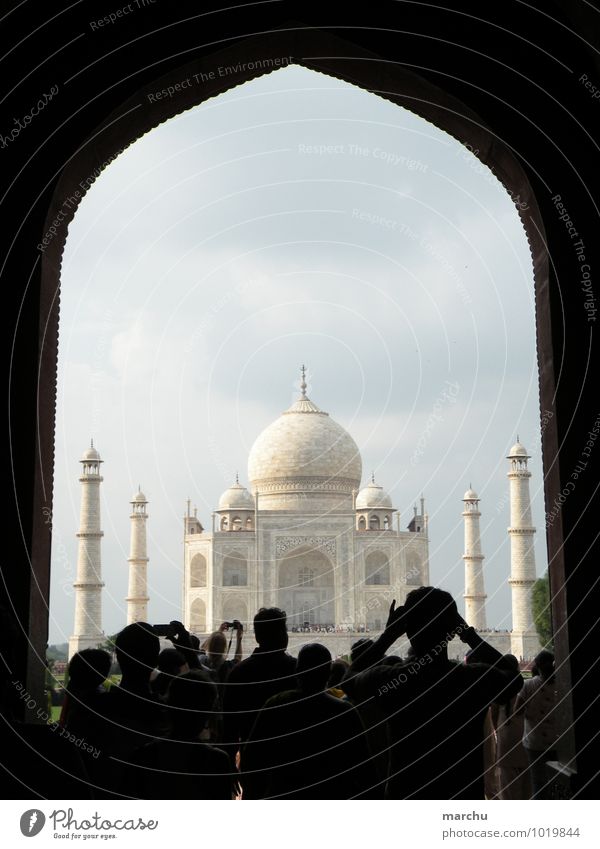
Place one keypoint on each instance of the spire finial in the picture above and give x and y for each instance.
(303, 381)
(237, 478)
(372, 477)
(517, 437)
(91, 443)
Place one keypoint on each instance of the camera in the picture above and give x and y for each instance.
(164, 630)
(235, 625)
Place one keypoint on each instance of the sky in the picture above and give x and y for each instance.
(294, 219)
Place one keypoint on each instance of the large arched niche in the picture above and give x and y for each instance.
(142, 111)
(306, 587)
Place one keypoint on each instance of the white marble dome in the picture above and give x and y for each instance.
(91, 455)
(139, 498)
(470, 495)
(518, 450)
(236, 497)
(304, 449)
(373, 497)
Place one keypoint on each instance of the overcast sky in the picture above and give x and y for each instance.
(294, 219)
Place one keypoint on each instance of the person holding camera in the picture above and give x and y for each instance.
(435, 707)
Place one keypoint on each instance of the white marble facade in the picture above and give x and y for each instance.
(303, 536)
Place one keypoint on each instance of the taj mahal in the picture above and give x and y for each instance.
(306, 537)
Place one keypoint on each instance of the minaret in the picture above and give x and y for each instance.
(474, 586)
(137, 596)
(87, 632)
(524, 639)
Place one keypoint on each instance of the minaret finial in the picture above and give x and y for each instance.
(237, 478)
(372, 477)
(303, 381)
(517, 437)
(92, 442)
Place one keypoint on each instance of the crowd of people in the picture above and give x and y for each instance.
(308, 628)
(200, 722)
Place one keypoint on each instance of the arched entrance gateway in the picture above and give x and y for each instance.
(306, 587)
(490, 100)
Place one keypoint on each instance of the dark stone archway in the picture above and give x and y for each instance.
(508, 88)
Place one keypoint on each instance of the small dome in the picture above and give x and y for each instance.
(470, 495)
(518, 450)
(236, 497)
(139, 498)
(373, 497)
(91, 454)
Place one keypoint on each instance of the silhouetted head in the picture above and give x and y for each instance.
(270, 628)
(137, 648)
(391, 659)
(195, 642)
(171, 662)
(88, 669)
(313, 667)
(338, 670)
(545, 663)
(431, 615)
(509, 663)
(359, 647)
(191, 699)
(216, 645)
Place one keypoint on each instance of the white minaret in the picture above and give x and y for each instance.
(474, 586)
(137, 596)
(87, 632)
(524, 639)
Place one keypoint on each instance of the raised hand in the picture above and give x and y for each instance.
(396, 623)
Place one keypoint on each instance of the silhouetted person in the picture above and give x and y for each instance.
(85, 700)
(338, 671)
(216, 649)
(132, 714)
(306, 743)
(171, 663)
(88, 670)
(537, 704)
(179, 765)
(268, 670)
(512, 765)
(435, 707)
(37, 761)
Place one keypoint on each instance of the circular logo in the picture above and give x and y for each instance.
(32, 822)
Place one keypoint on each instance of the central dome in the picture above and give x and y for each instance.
(304, 450)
